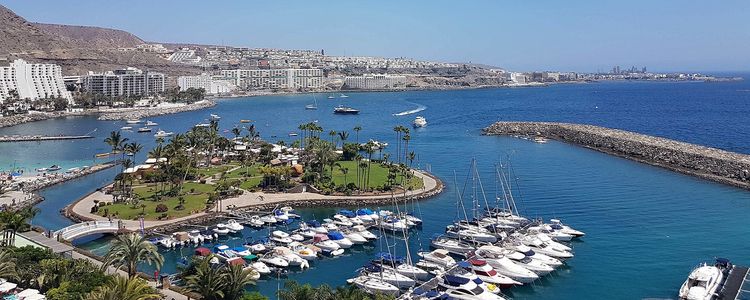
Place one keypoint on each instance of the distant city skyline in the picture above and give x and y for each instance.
(586, 36)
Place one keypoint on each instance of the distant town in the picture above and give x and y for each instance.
(27, 86)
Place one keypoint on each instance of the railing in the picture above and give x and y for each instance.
(85, 228)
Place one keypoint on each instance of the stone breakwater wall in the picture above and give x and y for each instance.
(704, 162)
(151, 112)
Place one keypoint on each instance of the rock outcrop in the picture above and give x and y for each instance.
(704, 162)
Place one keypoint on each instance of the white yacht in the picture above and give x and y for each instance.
(321, 241)
(162, 133)
(529, 253)
(234, 226)
(703, 283)
(486, 273)
(133, 121)
(374, 286)
(545, 248)
(451, 245)
(440, 257)
(261, 268)
(364, 232)
(558, 225)
(280, 237)
(389, 276)
(419, 122)
(151, 123)
(494, 256)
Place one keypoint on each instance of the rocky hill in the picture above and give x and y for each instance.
(78, 49)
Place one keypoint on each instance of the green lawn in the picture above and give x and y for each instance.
(378, 175)
(251, 183)
(213, 170)
(193, 202)
(251, 171)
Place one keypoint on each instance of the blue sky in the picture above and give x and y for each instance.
(517, 35)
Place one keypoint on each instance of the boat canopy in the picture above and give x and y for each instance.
(455, 280)
(320, 238)
(335, 235)
(250, 257)
(235, 261)
(238, 249)
(365, 211)
(388, 257)
(477, 262)
(218, 248)
(202, 251)
(313, 223)
(347, 213)
(464, 264)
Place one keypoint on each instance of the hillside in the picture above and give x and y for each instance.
(78, 49)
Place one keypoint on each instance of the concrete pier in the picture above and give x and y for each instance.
(39, 138)
(704, 162)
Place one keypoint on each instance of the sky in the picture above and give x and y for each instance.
(582, 36)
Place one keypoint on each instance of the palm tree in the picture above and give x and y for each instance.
(295, 291)
(343, 136)
(333, 134)
(406, 139)
(207, 281)
(398, 131)
(343, 171)
(16, 221)
(370, 150)
(120, 288)
(7, 265)
(235, 280)
(115, 140)
(236, 131)
(131, 249)
(357, 129)
(133, 148)
(412, 156)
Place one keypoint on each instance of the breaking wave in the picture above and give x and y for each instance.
(419, 108)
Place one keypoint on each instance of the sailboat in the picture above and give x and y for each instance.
(313, 106)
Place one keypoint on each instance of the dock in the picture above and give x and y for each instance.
(40, 138)
(737, 285)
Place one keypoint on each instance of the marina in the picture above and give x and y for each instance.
(41, 138)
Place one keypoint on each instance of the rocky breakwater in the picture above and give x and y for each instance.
(704, 162)
(155, 111)
(29, 117)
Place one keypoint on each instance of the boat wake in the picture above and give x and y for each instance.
(419, 108)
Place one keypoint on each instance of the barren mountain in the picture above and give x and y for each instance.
(78, 49)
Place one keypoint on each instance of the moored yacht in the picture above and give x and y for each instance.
(703, 282)
(374, 285)
(345, 110)
(419, 122)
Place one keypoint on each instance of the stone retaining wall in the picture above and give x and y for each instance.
(704, 162)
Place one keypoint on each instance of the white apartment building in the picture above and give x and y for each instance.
(124, 82)
(185, 56)
(276, 78)
(32, 81)
(374, 81)
(207, 82)
(518, 78)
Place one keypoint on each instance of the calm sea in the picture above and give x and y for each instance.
(646, 227)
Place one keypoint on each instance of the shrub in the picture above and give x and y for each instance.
(161, 208)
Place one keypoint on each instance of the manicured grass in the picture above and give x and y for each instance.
(251, 183)
(378, 175)
(193, 202)
(212, 170)
(248, 171)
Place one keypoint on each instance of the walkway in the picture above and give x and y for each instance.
(79, 230)
(83, 207)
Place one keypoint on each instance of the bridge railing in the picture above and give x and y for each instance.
(85, 227)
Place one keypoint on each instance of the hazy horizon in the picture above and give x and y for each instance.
(687, 36)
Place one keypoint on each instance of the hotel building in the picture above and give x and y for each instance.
(124, 82)
(374, 81)
(32, 81)
(207, 82)
(276, 78)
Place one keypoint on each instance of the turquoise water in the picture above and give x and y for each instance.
(646, 227)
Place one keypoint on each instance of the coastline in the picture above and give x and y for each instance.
(152, 112)
(79, 210)
(707, 163)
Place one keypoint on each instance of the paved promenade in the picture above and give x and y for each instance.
(432, 186)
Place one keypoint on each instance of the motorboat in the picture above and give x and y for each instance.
(487, 273)
(126, 128)
(374, 286)
(234, 226)
(168, 242)
(343, 96)
(495, 257)
(440, 257)
(458, 287)
(341, 220)
(340, 239)
(364, 232)
(280, 237)
(321, 241)
(240, 251)
(345, 110)
(547, 239)
(412, 220)
(256, 247)
(269, 219)
(354, 236)
(544, 248)
(555, 235)
(430, 267)
(151, 123)
(254, 275)
(54, 168)
(303, 251)
(392, 224)
(220, 248)
(388, 275)
(558, 225)
(221, 229)
(297, 237)
(451, 245)
(396, 263)
(363, 213)
(291, 257)
(162, 133)
(419, 121)
(703, 282)
(202, 125)
(314, 225)
(274, 259)
(530, 253)
(196, 237)
(534, 265)
(305, 231)
(215, 117)
(133, 121)
(261, 268)
(469, 234)
(254, 221)
(144, 129)
(329, 225)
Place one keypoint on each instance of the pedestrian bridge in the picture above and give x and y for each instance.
(80, 230)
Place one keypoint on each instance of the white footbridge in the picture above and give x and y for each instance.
(80, 230)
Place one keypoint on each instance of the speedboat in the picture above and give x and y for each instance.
(469, 234)
(215, 117)
(458, 287)
(343, 96)
(280, 237)
(555, 235)
(392, 224)
(340, 220)
(221, 229)
(256, 247)
(303, 251)
(544, 248)
(162, 133)
(354, 236)
(364, 232)
(321, 241)
(389, 276)
(151, 123)
(54, 168)
(497, 260)
(234, 226)
(529, 253)
(703, 282)
(345, 110)
(329, 225)
(490, 253)
(481, 269)
(144, 129)
(419, 121)
(363, 213)
(297, 237)
(260, 267)
(451, 245)
(219, 249)
(558, 225)
(254, 275)
(340, 239)
(274, 259)
(374, 285)
(291, 257)
(240, 251)
(133, 121)
(440, 256)
(396, 263)
(547, 239)
(305, 231)
(196, 237)
(255, 221)
(314, 225)
(280, 215)
(269, 219)
(126, 128)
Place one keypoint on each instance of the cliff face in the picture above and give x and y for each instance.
(705, 162)
(78, 49)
